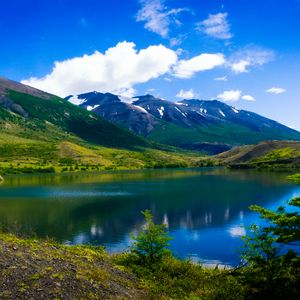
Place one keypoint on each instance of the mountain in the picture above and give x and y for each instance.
(42, 132)
(191, 124)
(34, 109)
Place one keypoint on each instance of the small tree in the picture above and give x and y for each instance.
(273, 264)
(152, 241)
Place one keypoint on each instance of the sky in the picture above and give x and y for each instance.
(244, 53)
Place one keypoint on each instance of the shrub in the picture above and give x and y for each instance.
(151, 242)
(273, 264)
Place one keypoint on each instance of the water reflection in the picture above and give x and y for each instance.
(204, 209)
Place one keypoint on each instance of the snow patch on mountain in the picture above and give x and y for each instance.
(222, 113)
(89, 107)
(76, 101)
(180, 111)
(141, 109)
(161, 111)
(180, 103)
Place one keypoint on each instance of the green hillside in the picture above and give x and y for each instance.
(227, 133)
(43, 133)
(269, 154)
(69, 120)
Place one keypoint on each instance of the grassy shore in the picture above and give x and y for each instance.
(35, 269)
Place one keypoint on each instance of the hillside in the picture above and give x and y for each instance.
(36, 111)
(211, 126)
(268, 154)
(42, 132)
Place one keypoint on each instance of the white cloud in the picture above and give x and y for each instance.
(240, 66)
(242, 60)
(248, 98)
(202, 62)
(216, 26)
(276, 90)
(223, 78)
(234, 95)
(231, 95)
(190, 94)
(157, 16)
(117, 70)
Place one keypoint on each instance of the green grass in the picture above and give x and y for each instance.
(285, 155)
(278, 154)
(28, 156)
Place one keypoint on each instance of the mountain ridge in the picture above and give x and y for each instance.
(189, 124)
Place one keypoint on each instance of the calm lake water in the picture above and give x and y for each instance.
(205, 209)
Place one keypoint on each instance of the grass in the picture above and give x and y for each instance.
(272, 155)
(29, 156)
(45, 270)
(278, 154)
(38, 269)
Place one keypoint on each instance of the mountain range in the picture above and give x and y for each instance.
(205, 125)
(40, 132)
(107, 131)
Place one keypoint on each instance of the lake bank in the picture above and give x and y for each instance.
(43, 269)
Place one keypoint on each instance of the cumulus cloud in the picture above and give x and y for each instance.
(276, 90)
(216, 26)
(248, 98)
(240, 66)
(234, 95)
(189, 94)
(158, 17)
(117, 70)
(242, 60)
(230, 95)
(202, 62)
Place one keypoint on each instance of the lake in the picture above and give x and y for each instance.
(205, 209)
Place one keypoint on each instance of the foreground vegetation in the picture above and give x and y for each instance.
(32, 269)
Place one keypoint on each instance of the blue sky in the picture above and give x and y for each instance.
(246, 53)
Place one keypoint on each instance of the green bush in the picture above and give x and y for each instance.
(152, 241)
(273, 265)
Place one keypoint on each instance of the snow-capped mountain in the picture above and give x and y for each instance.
(188, 123)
